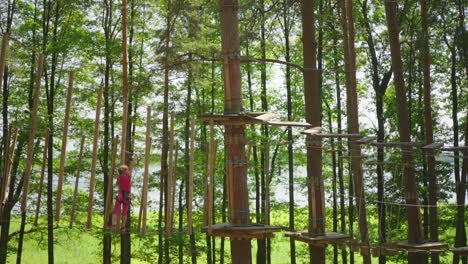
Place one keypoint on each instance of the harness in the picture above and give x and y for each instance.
(126, 197)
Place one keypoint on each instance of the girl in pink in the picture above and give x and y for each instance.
(124, 182)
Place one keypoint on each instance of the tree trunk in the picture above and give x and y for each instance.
(107, 24)
(380, 87)
(347, 22)
(316, 224)
(430, 155)
(237, 173)
(415, 234)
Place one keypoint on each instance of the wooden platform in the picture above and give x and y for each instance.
(317, 133)
(383, 251)
(453, 149)
(329, 238)
(433, 146)
(396, 144)
(426, 247)
(461, 251)
(249, 118)
(243, 232)
(366, 140)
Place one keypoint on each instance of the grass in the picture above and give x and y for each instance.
(81, 245)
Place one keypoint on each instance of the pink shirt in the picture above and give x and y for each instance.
(124, 182)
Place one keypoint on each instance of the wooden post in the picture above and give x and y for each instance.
(41, 182)
(94, 158)
(144, 194)
(32, 133)
(190, 178)
(77, 180)
(235, 133)
(3, 51)
(111, 181)
(213, 150)
(6, 162)
(169, 177)
(8, 171)
(63, 152)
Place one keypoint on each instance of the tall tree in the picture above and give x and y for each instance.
(316, 223)
(240, 249)
(347, 22)
(415, 234)
(430, 157)
(380, 85)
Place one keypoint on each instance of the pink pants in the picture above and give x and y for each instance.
(120, 199)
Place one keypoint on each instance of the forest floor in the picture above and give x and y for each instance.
(84, 246)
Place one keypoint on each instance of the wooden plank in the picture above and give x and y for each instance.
(461, 251)
(94, 158)
(454, 148)
(6, 161)
(421, 246)
(396, 144)
(190, 178)
(433, 146)
(313, 130)
(329, 135)
(229, 119)
(288, 123)
(365, 140)
(324, 239)
(63, 152)
(266, 116)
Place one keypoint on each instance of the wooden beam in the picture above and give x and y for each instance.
(94, 158)
(454, 148)
(213, 150)
(6, 162)
(41, 181)
(396, 144)
(433, 146)
(190, 178)
(3, 55)
(32, 133)
(266, 116)
(288, 123)
(63, 152)
(8, 165)
(365, 140)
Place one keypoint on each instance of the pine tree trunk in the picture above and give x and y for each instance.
(240, 249)
(107, 241)
(316, 223)
(415, 234)
(430, 155)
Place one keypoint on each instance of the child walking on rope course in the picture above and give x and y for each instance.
(124, 182)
